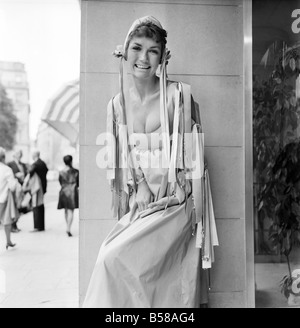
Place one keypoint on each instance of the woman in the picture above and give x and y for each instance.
(68, 195)
(150, 259)
(8, 211)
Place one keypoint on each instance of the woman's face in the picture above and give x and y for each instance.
(143, 56)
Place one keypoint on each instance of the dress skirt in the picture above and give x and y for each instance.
(149, 262)
(5, 217)
(8, 210)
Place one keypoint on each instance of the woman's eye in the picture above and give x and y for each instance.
(136, 48)
(154, 52)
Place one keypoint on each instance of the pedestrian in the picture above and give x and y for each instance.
(68, 195)
(38, 186)
(20, 171)
(8, 210)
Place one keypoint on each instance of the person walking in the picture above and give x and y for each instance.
(38, 185)
(8, 211)
(68, 195)
(20, 171)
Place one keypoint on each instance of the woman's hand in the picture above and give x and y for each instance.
(164, 202)
(144, 196)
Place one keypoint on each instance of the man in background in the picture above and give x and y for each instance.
(20, 171)
(38, 175)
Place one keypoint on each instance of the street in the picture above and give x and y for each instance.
(42, 270)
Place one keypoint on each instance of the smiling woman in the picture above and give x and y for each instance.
(163, 205)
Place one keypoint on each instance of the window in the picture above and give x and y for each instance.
(276, 132)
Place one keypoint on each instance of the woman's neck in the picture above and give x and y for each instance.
(146, 88)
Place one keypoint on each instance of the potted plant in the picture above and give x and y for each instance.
(276, 109)
(286, 233)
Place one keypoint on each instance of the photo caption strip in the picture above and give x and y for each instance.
(142, 317)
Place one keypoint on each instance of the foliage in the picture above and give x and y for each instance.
(286, 284)
(8, 121)
(277, 152)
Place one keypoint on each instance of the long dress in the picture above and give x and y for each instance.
(150, 258)
(150, 261)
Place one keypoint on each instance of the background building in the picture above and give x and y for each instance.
(13, 77)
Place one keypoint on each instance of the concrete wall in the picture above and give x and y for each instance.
(205, 38)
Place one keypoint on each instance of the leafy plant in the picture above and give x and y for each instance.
(285, 284)
(276, 109)
(8, 121)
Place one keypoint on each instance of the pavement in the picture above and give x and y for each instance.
(42, 270)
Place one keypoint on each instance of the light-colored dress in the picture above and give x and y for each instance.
(8, 209)
(150, 259)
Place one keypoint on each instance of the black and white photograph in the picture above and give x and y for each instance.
(149, 156)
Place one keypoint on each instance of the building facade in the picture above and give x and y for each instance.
(13, 77)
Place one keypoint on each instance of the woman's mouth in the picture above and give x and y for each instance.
(142, 66)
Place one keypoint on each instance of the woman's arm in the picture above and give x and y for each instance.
(11, 181)
(144, 195)
(77, 179)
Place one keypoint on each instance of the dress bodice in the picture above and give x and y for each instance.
(149, 156)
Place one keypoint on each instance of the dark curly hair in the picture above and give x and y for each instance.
(151, 31)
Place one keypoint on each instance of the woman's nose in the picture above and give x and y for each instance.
(144, 56)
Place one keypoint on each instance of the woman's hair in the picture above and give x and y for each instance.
(68, 159)
(151, 31)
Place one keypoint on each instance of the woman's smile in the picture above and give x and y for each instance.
(142, 66)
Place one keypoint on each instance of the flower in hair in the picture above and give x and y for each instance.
(166, 56)
(119, 52)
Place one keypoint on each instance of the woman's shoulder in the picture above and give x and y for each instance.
(115, 100)
(63, 171)
(114, 105)
(172, 86)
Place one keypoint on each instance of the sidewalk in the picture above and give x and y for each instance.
(42, 270)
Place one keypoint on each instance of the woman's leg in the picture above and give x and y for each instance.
(70, 214)
(66, 216)
(7, 229)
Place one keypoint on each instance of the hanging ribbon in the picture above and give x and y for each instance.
(164, 114)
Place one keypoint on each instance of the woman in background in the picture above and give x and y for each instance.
(68, 195)
(8, 211)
